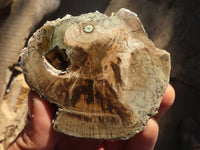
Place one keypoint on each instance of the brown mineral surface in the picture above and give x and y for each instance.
(104, 73)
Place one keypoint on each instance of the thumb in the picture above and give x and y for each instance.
(38, 133)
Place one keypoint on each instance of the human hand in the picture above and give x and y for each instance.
(39, 135)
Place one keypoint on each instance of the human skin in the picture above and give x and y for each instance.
(39, 135)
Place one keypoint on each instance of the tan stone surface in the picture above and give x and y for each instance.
(13, 112)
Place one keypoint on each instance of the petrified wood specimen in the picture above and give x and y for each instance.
(104, 73)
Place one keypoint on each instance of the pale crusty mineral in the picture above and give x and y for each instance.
(104, 73)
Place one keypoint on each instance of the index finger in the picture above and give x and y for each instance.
(167, 101)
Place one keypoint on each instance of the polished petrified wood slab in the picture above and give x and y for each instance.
(104, 73)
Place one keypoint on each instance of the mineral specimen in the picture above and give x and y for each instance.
(104, 73)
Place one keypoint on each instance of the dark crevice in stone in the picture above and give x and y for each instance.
(58, 59)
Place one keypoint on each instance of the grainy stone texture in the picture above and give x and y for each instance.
(104, 73)
(13, 112)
